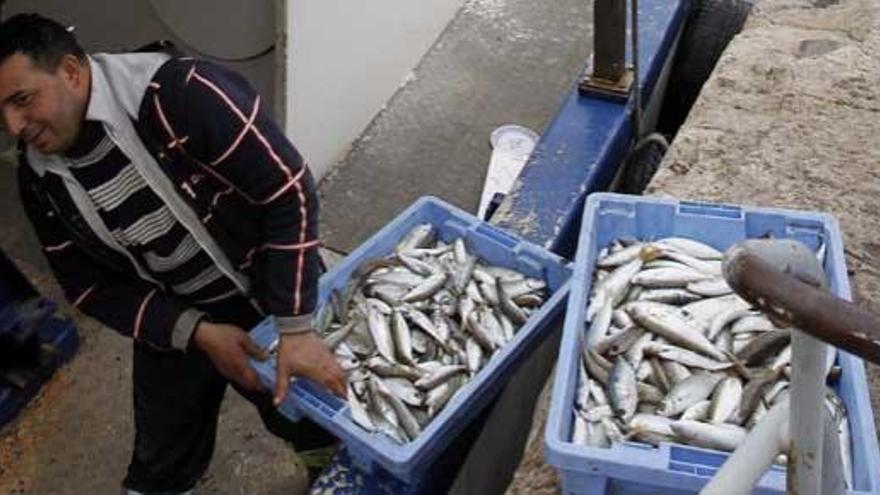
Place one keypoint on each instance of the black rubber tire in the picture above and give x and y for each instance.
(641, 165)
(710, 27)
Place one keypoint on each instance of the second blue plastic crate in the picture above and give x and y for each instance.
(673, 469)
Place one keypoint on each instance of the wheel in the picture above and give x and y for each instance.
(642, 164)
(710, 27)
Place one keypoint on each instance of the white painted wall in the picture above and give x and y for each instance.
(345, 59)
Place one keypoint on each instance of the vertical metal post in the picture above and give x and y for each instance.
(759, 450)
(787, 282)
(609, 39)
(636, 87)
(808, 415)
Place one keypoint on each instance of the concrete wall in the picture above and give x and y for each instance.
(345, 60)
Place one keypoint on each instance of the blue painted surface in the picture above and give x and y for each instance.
(673, 469)
(583, 146)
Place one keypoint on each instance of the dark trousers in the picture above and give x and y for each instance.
(177, 399)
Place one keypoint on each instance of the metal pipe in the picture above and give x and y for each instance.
(769, 438)
(784, 279)
(805, 463)
(789, 301)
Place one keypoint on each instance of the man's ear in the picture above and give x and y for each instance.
(73, 71)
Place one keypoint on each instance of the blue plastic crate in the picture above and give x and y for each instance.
(674, 469)
(57, 334)
(408, 462)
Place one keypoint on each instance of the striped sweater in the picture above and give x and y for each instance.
(188, 193)
(140, 222)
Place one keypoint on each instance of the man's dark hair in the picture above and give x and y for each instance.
(45, 41)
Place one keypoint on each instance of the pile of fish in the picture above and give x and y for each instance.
(412, 328)
(672, 354)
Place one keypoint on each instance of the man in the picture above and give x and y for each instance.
(173, 210)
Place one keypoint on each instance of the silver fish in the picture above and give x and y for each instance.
(765, 346)
(508, 276)
(338, 336)
(596, 393)
(758, 323)
(614, 287)
(691, 247)
(358, 411)
(405, 390)
(402, 338)
(725, 399)
(675, 371)
(674, 296)
(595, 414)
(753, 392)
(380, 331)
(415, 265)
(579, 435)
(710, 288)
(698, 411)
(474, 355)
(439, 376)
(621, 319)
(426, 289)
(669, 277)
(620, 257)
(405, 418)
(685, 357)
(599, 327)
(522, 287)
(439, 396)
(674, 325)
(724, 318)
(623, 392)
(385, 368)
(597, 434)
(420, 236)
(688, 392)
(724, 437)
(636, 352)
(651, 428)
(704, 311)
(510, 309)
(709, 267)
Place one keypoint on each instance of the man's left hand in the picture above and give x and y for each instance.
(305, 355)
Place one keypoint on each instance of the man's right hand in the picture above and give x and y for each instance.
(229, 348)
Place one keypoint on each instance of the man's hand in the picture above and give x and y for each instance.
(305, 355)
(229, 348)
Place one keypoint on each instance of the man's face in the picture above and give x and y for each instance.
(43, 108)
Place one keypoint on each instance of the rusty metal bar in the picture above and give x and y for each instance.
(609, 39)
(609, 78)
(791, 302)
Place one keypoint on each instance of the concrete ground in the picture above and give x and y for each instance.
(790, 118)
(498, 62)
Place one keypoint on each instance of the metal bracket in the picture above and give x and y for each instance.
(618, 90)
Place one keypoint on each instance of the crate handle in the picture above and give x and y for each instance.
(496, 235)
(310, 395)
(710, 209)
